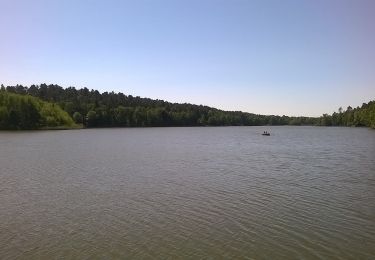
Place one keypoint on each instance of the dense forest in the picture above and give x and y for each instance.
(360, 116)
(26, 112)
(108, 109)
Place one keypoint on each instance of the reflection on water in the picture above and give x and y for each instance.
(229, 192)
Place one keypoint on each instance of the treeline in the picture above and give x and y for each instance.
(360, 116)
(26, 112)
(109, 109)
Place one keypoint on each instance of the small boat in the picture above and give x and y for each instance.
(266, 133)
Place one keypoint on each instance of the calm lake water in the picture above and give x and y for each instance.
(188, 193)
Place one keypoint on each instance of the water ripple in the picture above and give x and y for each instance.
(194, 193)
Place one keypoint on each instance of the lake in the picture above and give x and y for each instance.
(188, 193)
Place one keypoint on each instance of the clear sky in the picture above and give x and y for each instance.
(269, 57)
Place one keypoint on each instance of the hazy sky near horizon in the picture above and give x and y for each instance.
(268, 56)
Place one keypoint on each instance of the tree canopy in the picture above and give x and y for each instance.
(26, 112)
(110, 109)
(95, 109)
(359, 116)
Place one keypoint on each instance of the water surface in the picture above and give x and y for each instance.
(188, 193)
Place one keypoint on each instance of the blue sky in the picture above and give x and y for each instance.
(268, 57)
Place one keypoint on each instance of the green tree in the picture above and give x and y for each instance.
(77, 117)
(118, 109)
(91, 118)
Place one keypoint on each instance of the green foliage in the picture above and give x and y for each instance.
(26, 112)
(95, 109)
(77, 117)
(116, 109)
(91, 118)
(360, 116)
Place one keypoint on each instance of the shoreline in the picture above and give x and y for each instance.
(81, 127)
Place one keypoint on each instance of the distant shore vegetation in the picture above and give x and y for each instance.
(20, 112)
(53, 107)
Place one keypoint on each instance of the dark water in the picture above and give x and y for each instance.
(194, 193)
